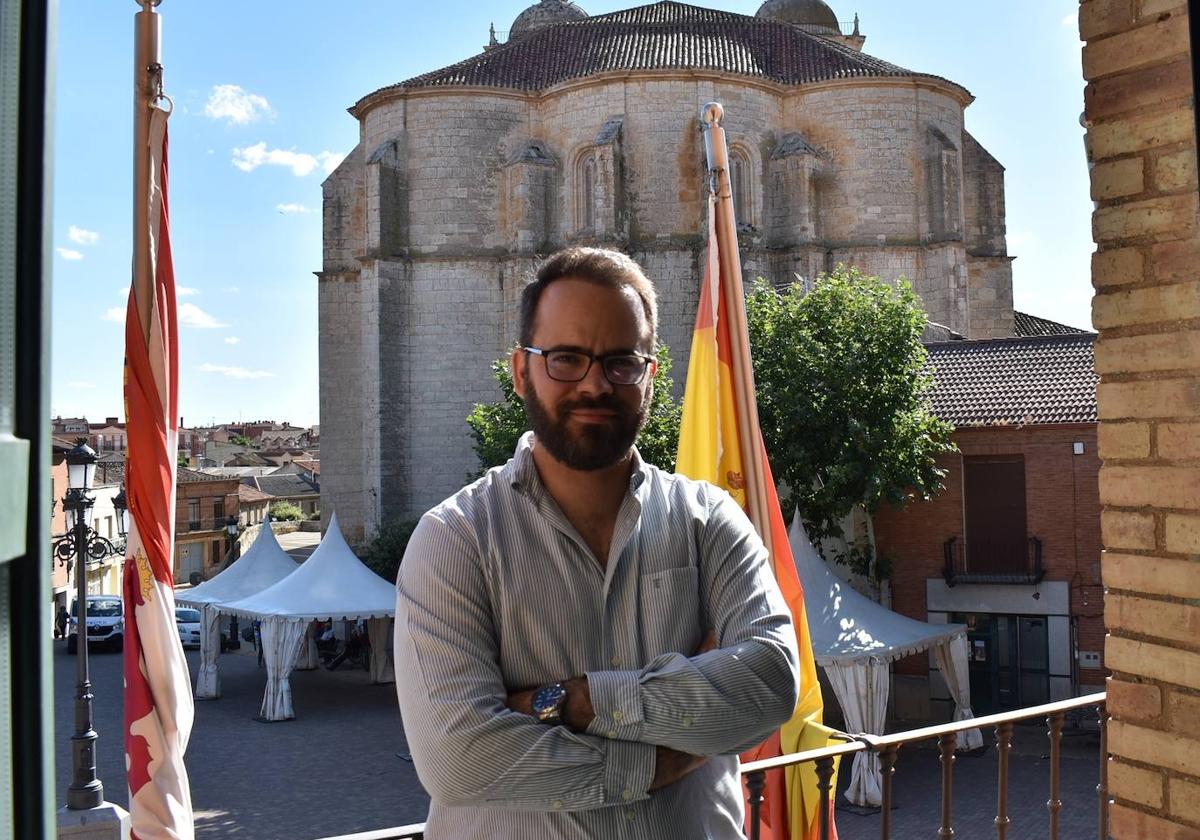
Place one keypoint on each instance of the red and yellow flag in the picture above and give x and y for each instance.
(158, 695)
(710, 449)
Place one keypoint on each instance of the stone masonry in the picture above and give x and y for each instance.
(1142, 145)
(440, 212)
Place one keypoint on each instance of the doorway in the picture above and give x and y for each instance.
(1009, 660)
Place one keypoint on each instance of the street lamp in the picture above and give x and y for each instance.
(231, 528)
(80, 543)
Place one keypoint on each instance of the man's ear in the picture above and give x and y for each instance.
(518, 371)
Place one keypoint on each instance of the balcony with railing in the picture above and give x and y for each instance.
(1012, 561)
(888, 748)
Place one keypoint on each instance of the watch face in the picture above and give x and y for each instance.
(548, 697)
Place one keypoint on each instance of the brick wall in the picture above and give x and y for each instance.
(1141, 140)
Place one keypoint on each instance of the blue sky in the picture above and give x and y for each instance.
(261, 91)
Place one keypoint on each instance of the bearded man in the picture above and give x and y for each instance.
(583, 642)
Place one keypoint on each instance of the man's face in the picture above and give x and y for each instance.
(590, 424)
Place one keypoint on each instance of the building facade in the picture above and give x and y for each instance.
(585, 130)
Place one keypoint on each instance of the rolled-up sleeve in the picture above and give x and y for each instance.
(732, 697)
(468, 747)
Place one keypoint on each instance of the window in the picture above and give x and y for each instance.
(739, 184)
(217, 553)
(218, 511)
(193, 514)
(585, 209)
(997, 542)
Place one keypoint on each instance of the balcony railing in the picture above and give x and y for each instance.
(1014, 561)
(888, 747)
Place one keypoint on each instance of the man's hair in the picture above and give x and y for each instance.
(593, 265)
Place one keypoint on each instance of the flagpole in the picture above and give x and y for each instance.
(735, 310)
(147, 89)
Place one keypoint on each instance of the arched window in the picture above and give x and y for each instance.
(585, 203)
(740, 185)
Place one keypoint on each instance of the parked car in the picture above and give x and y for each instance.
(105, 623)
(188, 622)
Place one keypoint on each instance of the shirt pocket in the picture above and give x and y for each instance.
(670, 611)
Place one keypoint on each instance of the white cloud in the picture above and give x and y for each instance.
(81, 236)
(116, 314)
(1071, 19)
(191, 315)
(232, 339)
(235, 372)
(68, 254)
(186, 291)
(249, 158)
(292, 209)
(236, 106)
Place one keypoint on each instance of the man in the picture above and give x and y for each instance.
(588, 642)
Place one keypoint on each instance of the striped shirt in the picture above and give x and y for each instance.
(498, 592)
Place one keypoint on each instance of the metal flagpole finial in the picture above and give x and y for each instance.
(712, 113)
(147, 5)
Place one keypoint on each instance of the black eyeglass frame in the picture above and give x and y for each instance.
(592, 359)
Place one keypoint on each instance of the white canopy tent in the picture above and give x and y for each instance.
(263, 565)
(855, 639)
(331, 584)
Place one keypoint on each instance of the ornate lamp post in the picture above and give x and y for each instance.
(231, 528)
(80, 543)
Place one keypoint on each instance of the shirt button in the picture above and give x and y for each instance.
(558, 803)
(627, 794)
(612, 733)
(630, 815)
(615, 661)
(617, 715)
(689, 719)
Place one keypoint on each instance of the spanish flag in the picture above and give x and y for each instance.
(712, 447)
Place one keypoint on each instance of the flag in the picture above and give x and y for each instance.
(710, 448)
(158, 696)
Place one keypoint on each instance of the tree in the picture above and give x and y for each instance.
(384, 553)
(285, 512)
(842, 379)
(496, 427)
(240, 440)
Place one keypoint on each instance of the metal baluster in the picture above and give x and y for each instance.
(824, 782)
(1055, 724)
(947, 742)
(1102, 788)
(1003, 745)
(887, 768)
(755, 782)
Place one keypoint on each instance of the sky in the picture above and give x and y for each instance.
(261, 91)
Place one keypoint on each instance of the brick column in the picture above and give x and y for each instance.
(1142, 147)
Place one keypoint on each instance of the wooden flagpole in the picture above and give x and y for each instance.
(735, 310)
(147, 89)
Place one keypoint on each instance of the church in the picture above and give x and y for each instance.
(578, 129)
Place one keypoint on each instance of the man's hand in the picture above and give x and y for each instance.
(672, 765)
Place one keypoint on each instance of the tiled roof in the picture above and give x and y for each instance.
(184, 475)
(660, 36)
(283, 485)
(1015, 381)
(246, 493)
(1025, 324)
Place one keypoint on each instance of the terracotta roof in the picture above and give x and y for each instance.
(660, 36)
(1015, 381)
(184, 475)
(246, 493)
(1025, 324)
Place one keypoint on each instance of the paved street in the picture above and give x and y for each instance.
(335, 769)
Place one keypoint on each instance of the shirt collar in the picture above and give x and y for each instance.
(522, 475)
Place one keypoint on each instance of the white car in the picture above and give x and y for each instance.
(105, 622)
(188, 622)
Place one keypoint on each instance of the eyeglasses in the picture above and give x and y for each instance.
(573, 365)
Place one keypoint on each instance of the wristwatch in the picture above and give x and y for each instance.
(548, 702)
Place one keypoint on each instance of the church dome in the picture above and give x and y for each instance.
(544, 13)
(813, 15)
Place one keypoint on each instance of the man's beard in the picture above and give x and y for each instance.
(592, 446)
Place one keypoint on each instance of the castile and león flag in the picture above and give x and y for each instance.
(158, 696)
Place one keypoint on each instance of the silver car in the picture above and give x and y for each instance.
(188, 622)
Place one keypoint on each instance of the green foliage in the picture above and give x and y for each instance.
(384, 553)
(842, 381)
(181, 460)
(240, 440)
(496, 427)
(285, 512)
